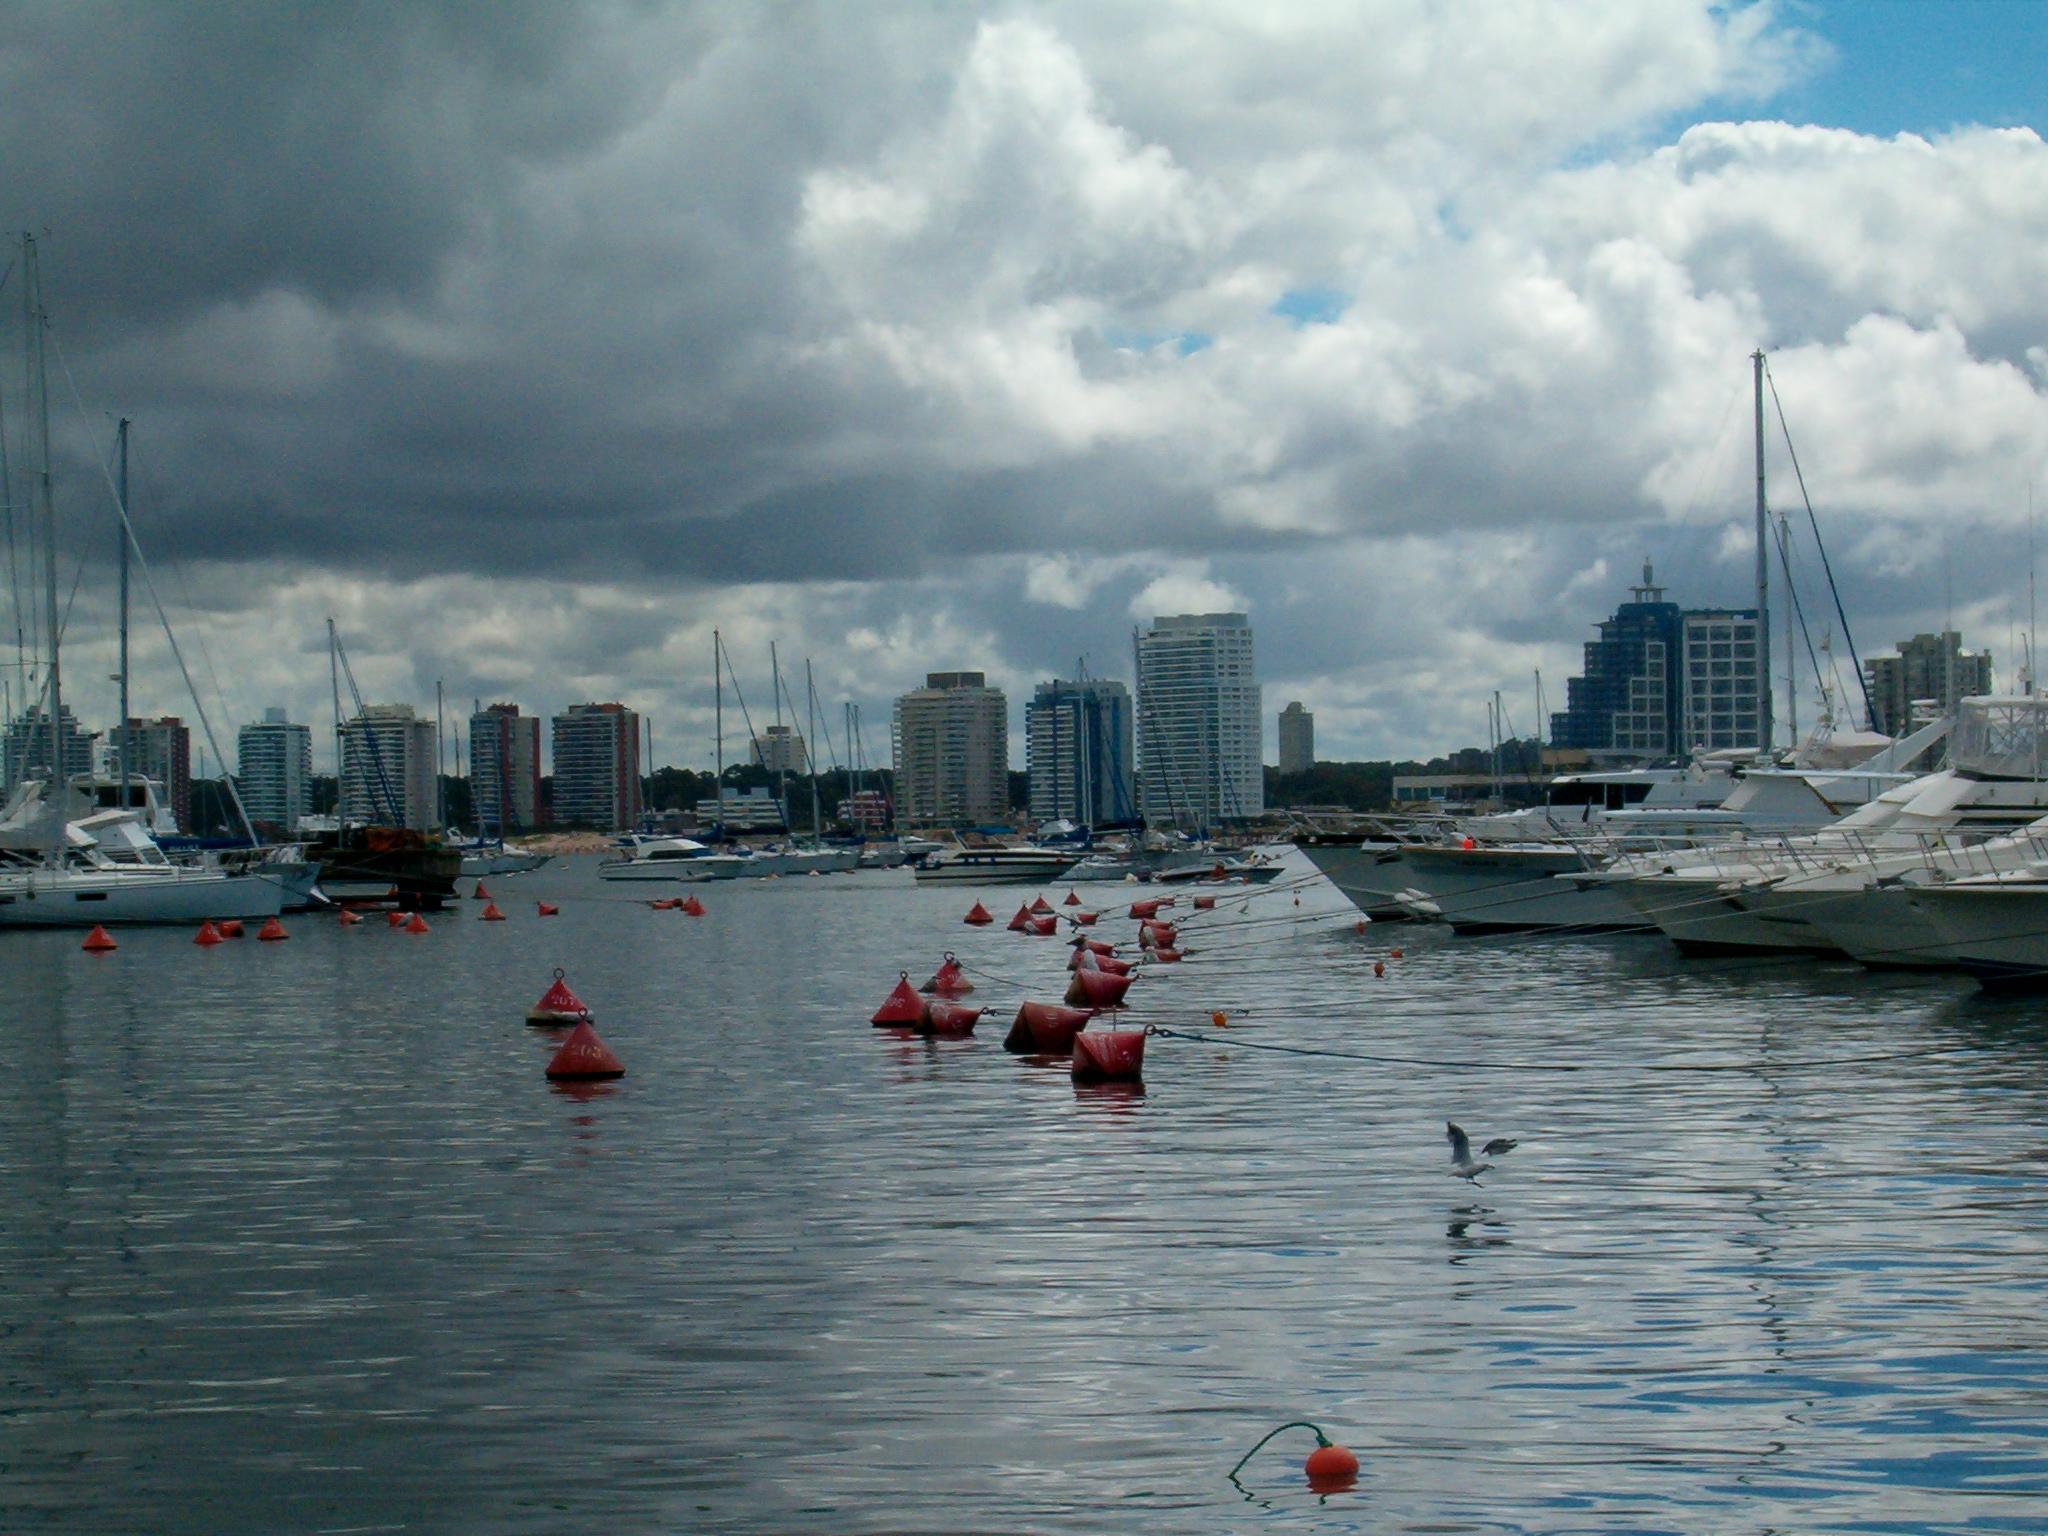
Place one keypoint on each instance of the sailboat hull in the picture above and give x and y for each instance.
(68, 898)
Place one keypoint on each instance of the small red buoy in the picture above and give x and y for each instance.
(271, 931)
(1467, 844)
(1041, 906)
(1379, 968)
(1330, 1468)
(951, 1020)
(949, 980)
(348, 919)
(665, 904)
(1393, 954)
(99, 941)
(479, 894)
(978, 916)
(394, 919)
(1145, 909)
(1165, 956)
(417, 924)
(1071, 901)
(1022, 921)
(230, 927)
(1359, 926)
(690, 906)
(1152, 934)
(1097, 989)
(545, 910)
(902, 1006)
(583, 1056)
(1109, 1055)
(1205, 903)
(1083, 919)
(1045, 1029)
(1044, 927)
(557, 1005)
(207, 934)
(491, 913)
(1220, 1019)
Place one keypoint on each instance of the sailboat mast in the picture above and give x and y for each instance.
(717, 736)
(781, 752)
(32, 300)
(127, 736)
(1763, 569)
(810, 744)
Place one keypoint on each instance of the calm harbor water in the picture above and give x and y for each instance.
(295, 1238)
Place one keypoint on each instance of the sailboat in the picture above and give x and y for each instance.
(103, 868)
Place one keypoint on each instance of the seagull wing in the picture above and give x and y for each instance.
(1498, 1146)
(1461, 1144)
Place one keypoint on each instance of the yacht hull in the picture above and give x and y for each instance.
(1517, 890)
(82, 898)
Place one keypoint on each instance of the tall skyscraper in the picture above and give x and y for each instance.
(1665, 681)
(163, 752)
(25, 751)
(1077, 747)
(597, 766)
(1297, 739)
(952, 745)
(275, 760)
(504, 769)
(388, 768)
(1934, 667)
(780, 749)
(1200, 731)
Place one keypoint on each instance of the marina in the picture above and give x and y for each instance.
(300, 1238)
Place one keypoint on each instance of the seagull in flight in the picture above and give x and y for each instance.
(1463, 1165)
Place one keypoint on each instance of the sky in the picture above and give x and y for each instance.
(534, 342)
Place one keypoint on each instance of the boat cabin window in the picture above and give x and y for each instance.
(1611, 797)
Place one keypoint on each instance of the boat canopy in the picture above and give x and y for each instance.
(2000, 737)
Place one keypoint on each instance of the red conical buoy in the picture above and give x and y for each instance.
(690, 906)
(394, 919)
(230, 927)
(1022, 921)
(1109, 1055)
(1044, 1029)
(347, 918)
(99, 941)
(978, 916)
(479, 894)
(545, 910)
(1083, 919)
(949, 980)
(417, 924)
(1097, 989)
(901, 1006)
(207, 934)
(949, 1019)
(1145, 909)
(557, 1005)
(1044, 927)
(271, 931)
(1072, 900)
(491, 913)
(583, 1056)
(1041, 906)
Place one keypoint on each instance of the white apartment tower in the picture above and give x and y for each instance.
(1200, 737)
(952, 746)
(275, 762)
(388, 770)
(1077, 746)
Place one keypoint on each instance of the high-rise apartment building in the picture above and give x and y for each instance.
(25, 750)
(274, 759)
(597, 766)
(1666, 681)
(1200, 731)
(780, 749)
(1078, 750)
(388, 769)
(162, 751)
(952, 745)
(1297, 739)
(504, 769)
(1930, 667)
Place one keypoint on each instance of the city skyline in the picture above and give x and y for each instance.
(1410, 353)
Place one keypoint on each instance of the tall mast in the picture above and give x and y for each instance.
(717, 735)
(334, 682)
(810, 744)
(781, 751)
(440, 758)
(1763, 569)
(32, 300)
(127, 736)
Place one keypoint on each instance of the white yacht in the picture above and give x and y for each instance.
(1993, 926)
(1024, 865)
(687, 861)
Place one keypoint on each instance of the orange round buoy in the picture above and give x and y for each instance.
(690, 906)
(479, 894)
(978, 915)
(1109, 1055)
(348, 919)
(1330, 1468)
(230, 927)
(207, 934)
(1379, 968)
(99, 941)
(491, 913)
(1467, 844)
(545, 910)
(1393, 954)
(557, 1005)
(1072, 900)
(417, 924)
(901, 1007)
(1220, 1019)
(271, 931)
(583, 1056)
